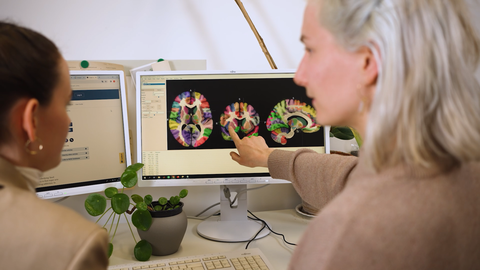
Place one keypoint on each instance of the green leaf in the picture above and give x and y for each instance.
(174, 200)
(110, 249)
(142, 250)
(358, 138)
(158, 208)
(129, 178)
(109, 192)
(142, 206)
(142, 220)
(162, 201)
(183, 193)
(342, 133)
(120, 203)
(134, 167)
(137, 198)
(148, 199)
(95, 204)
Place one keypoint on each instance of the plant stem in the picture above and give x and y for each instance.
(115, 232)
(113, 220)
(108, 219)
(130, 228)
(102, 215)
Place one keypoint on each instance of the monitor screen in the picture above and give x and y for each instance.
(97, 147)
(183, 140)
(182, 121)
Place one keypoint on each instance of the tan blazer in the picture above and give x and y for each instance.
(37, 234)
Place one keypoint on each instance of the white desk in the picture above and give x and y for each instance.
(287, 222)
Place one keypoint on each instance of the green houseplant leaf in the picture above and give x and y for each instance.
(109, 192)
(148, 199)
(137, 198)
(142, 220)
(142, 250)
(129, 178)
(162, 201)
(174, 200)
(95, 204)
(142, 206)
(183, 193)
(120, 203)
(134, 167)
(342, 133)
(110, 249)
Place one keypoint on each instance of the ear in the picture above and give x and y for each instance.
(369, 66)
(29, 120)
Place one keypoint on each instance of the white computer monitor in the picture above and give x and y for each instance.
(97, 147)
(182, 137)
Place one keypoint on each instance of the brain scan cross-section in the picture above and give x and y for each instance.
(190, 119)
(242, 116)
(290, 116)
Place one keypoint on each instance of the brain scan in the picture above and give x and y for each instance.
(290, 116)
(243, 117)
(190, 119)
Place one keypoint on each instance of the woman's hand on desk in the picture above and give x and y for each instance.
(252, 152)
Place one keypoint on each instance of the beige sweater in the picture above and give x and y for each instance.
(37, 234)
(398, 219)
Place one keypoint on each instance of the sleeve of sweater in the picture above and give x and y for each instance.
(317, 178)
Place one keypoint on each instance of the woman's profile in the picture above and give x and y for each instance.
(34, 92)
(401, 72)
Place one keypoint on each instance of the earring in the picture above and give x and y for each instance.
(29, 145)
(361, 106)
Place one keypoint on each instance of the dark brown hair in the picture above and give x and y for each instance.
(29, 67)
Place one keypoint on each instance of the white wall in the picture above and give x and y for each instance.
(171, 29)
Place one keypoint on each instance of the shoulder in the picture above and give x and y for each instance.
(48, 232)
(385, 223)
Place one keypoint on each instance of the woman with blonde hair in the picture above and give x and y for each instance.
(401, 72)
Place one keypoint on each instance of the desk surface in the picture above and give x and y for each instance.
(287, 222)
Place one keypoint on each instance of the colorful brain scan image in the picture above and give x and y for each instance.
(190, 119)
(243, 117)
(289, 117)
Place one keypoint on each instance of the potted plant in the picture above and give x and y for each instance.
(141, 212)
(346, 133)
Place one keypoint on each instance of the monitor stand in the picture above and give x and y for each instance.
(233, 224)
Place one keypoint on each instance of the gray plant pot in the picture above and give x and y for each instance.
(167, 231)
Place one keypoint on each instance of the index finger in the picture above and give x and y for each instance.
(233, 134)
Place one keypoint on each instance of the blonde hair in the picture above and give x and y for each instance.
(426, 108)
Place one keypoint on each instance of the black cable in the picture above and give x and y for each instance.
(255, 236)
(268, 227)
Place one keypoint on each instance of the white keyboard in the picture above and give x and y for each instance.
(251, 259)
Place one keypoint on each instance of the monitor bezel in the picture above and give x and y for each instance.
(203, 181)
(65, 192)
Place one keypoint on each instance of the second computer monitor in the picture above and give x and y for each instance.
(183, 119)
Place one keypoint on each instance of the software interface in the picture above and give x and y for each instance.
(185, 119)
(94, 150)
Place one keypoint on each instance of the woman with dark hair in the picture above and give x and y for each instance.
(34, 92)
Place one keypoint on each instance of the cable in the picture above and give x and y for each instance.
(204, 217)
(226, 192)
(197, 216)
(268, 227)
(255, 236)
